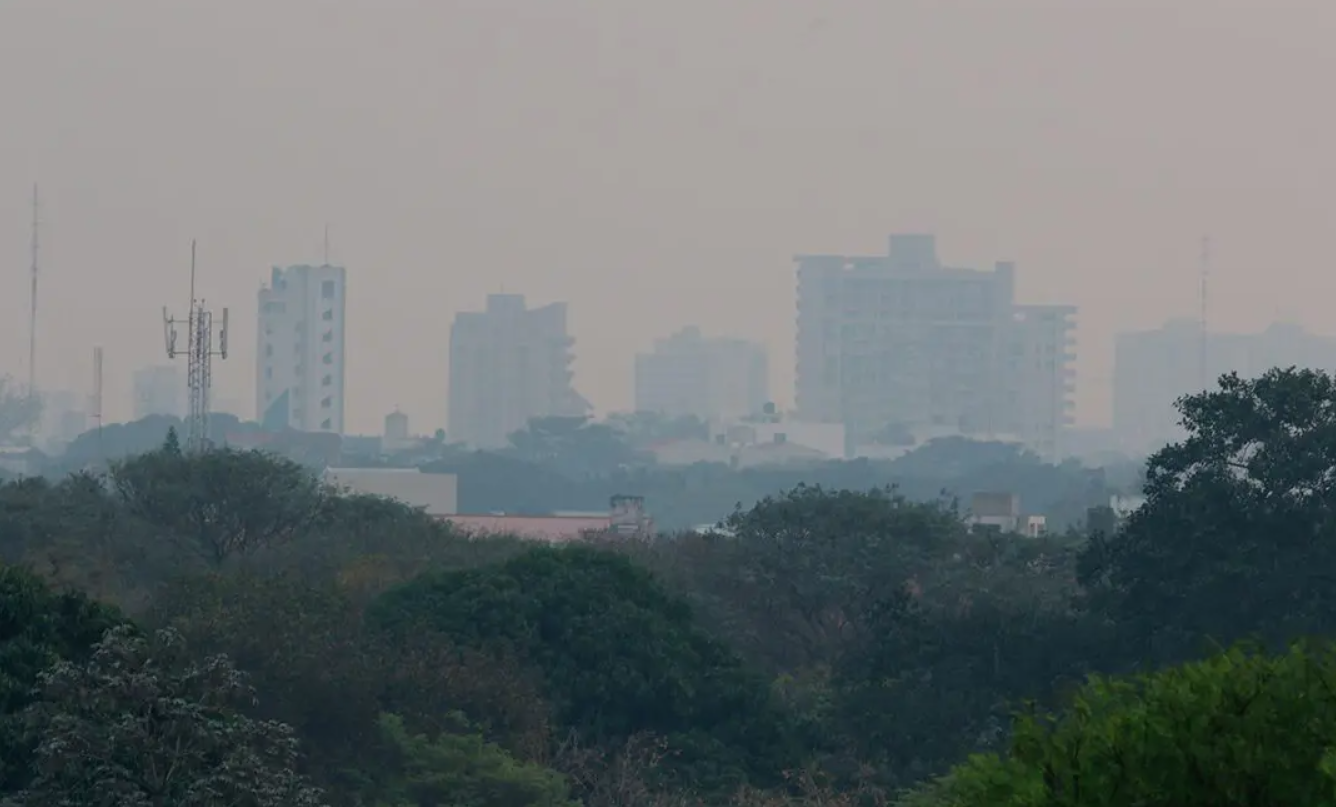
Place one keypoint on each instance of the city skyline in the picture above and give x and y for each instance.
(460, 149)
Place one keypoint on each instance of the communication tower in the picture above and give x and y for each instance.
(199, 352)
(32, 320)
(1203, 382)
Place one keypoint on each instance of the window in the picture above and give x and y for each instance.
(328, 336)
(327, 289)
(325, 424)
(328, 358)
(268, 372)
(328, 315)
(268, 351)
(326, 402)
(327, 381)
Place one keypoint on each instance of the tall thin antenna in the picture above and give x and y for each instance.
(32, 315)
(199, 359)
(1205, 272)
(326, 245)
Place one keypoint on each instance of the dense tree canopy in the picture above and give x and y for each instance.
(841, 639)
(1237, 536)
(1236, 730)
(618, 655)
(141, 723)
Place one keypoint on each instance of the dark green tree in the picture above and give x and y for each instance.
(1238, 533)
(38, 627)
(140, 723)
(811, 564)
(617, 654)
(222, 503)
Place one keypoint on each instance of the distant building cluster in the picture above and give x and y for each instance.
(891, 351)
(1153, 369)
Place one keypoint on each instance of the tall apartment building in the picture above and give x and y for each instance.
(299, 367)
(159, 390)
(902, 339)
(1152, 369)
(711, 378)
(509, 364)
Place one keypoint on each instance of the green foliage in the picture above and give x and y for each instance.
(462, 769)
(814, 565)
(1240, 728)
(618, 655)
(140, 723)
(223, 502)
(1233, 538)
(38, 627)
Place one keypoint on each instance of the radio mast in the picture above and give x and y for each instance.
(200, 351)
(1204, 268)
(32, 323)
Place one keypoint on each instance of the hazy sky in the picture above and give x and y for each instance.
(653, 162)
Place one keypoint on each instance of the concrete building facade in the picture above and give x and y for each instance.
(159, 390)
(299, 365)
(1153, 368)
(903, 339)
(709, 377)
(508, 364)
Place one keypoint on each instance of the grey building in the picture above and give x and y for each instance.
(159, 390)
(709, 377)
(901, 339)
(509, 364)
(1153, 368)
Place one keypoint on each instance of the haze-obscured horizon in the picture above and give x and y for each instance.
(653, 164)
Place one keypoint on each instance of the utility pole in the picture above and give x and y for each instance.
(199, 359)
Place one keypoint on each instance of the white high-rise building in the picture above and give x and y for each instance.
(299, 366)
(903, 340)
(711, 378)
(159, 390)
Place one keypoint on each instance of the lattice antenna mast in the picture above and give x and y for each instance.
(1205, 273)
(199, 352)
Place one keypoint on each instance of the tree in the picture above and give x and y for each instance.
(38, 627)
(573, 446)
(19, 408)
(811, 565)
(1238, 532)
(140, 724)
(462, 769)
(1240, 728)
(301, 643)
(618, 655)
(223, 502)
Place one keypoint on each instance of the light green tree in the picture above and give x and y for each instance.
(1239, 729)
